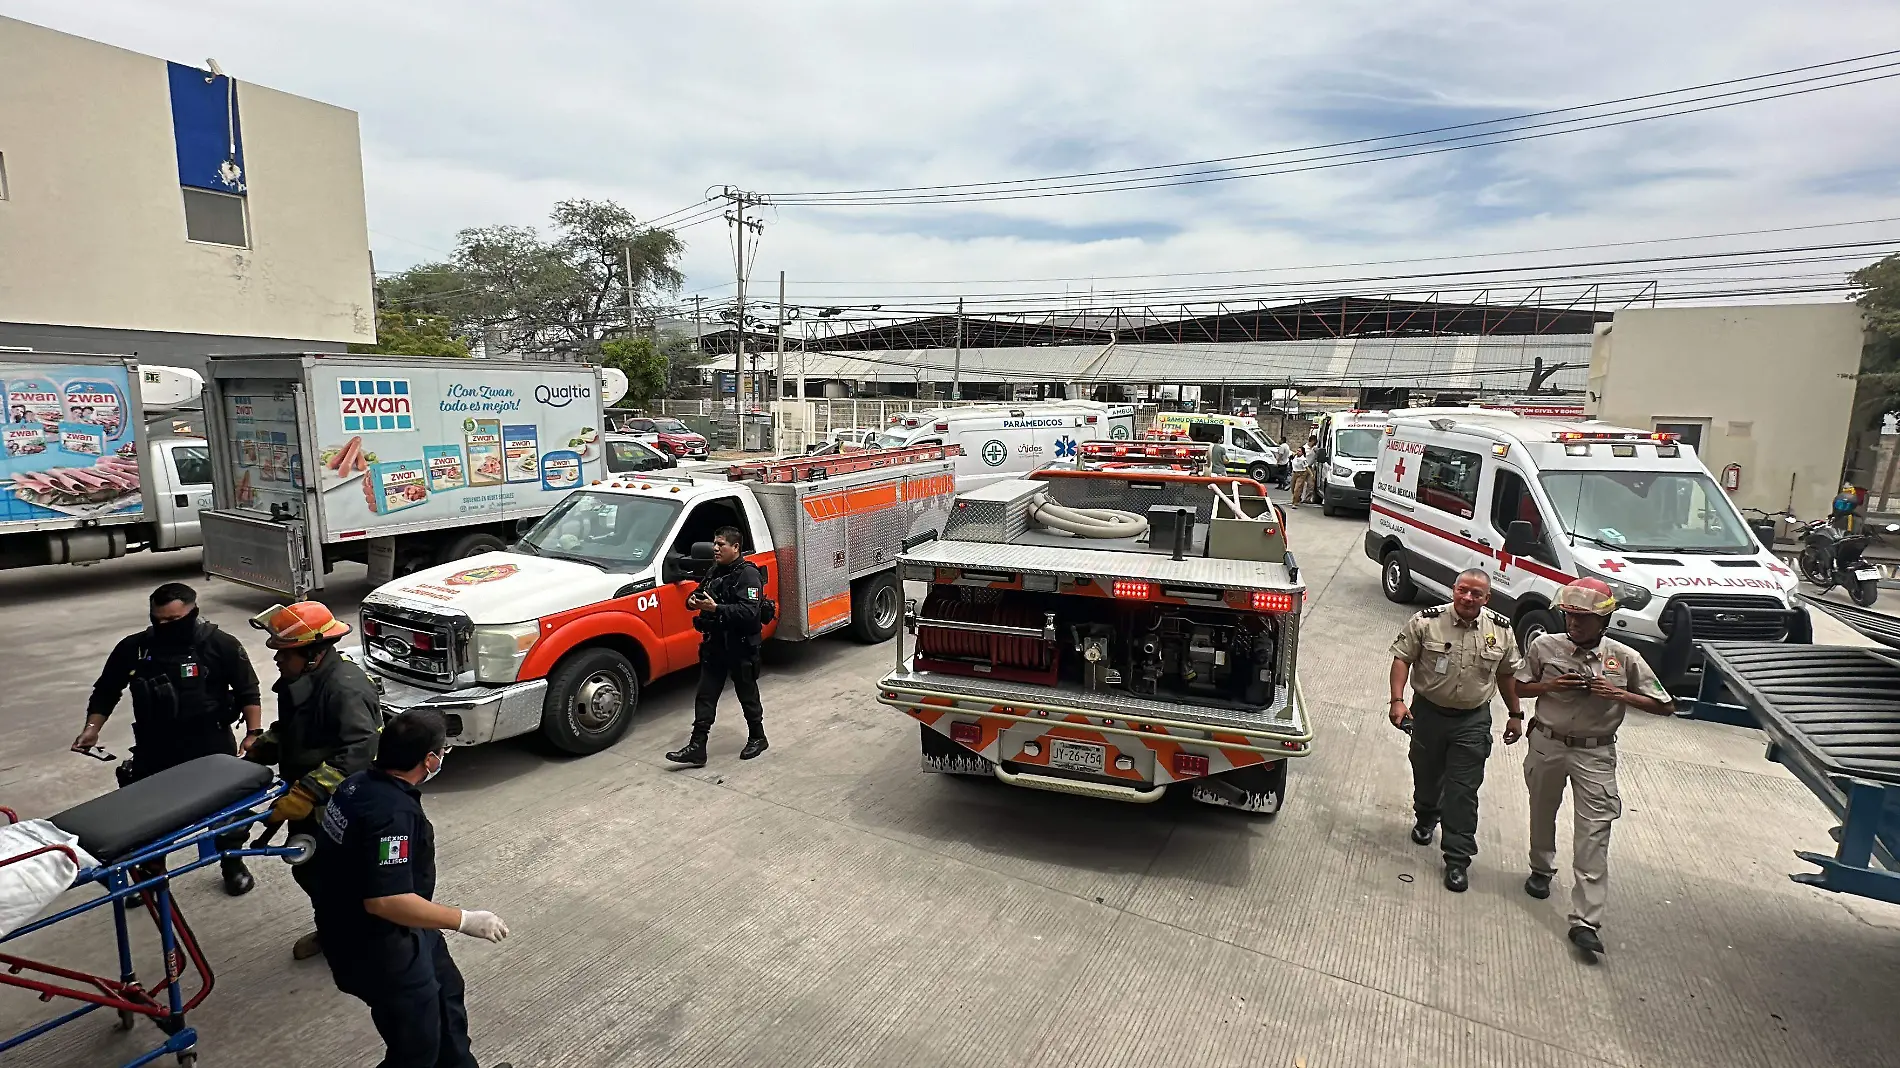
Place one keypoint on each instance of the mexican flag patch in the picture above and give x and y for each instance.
(393, 850)
(189, 671)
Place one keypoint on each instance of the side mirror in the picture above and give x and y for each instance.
(1520, 538)
(702, 552)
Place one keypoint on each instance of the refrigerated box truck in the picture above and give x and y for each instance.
(398, 462)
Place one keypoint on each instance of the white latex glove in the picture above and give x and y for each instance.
(478, 924)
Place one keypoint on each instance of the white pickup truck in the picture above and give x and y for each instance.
(560, 634)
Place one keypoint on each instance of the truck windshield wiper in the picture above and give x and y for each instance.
(1606, 544)
(526, 547)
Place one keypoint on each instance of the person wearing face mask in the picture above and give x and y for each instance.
(1584, 683)
(328, 716)
(190, 681)
(374, 870)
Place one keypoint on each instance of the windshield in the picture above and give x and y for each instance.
(1358, 443)
(670, 426)
(614, 531)
(1647, 511)
(892, 441)
(632, 456)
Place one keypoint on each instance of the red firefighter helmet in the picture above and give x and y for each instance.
(1589, 595)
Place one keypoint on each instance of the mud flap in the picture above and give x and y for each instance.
(945, 757)
(1261, 788)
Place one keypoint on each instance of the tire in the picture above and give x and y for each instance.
(471, 545)
(590, 702)
(1259, 473)
(1813, 569)
(1534, 624)
(877, 608)
(1326, 505)
(1395, 578)
(1865, 592)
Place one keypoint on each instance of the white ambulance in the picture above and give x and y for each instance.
(1536, 503)
(1245, 449)
(1348, 452)
(1010, 440)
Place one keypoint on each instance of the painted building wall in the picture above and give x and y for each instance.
(1771, 385)
(98, 145)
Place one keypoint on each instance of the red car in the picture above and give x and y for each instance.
(669, 434)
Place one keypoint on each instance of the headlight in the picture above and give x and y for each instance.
(1341, 472)
(1628, 594)
(499, 651)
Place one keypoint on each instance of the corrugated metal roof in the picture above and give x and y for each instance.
(1450, 362)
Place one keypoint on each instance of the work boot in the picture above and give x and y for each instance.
(1586, 939)
(237, 877)
(1538, 885)
(754, 746)
(1457, 878)
(693, 752)
(308, 946)
(1422, 833)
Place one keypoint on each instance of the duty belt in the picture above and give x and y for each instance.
(1419, 701)
(1573, 741)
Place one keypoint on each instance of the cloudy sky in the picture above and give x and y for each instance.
(483, 111)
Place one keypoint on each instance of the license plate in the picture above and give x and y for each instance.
(1865, 573)
(1077, 756)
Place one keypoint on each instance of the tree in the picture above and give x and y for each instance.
(1877, 393)
(644, 366)
(508, 286)
(402, 333)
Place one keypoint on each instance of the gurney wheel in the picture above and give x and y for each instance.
(305, 846)
(188, 1058)
(127, 1020)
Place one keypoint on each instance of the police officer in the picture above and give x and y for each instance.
(190, 681)
(727, 604)
(1455, 661)
(374, 893)
(328, 714)
(1584, 684)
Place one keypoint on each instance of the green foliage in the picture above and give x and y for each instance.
(401, 333)
(1877, 291)
(645, 368)
(511, 287)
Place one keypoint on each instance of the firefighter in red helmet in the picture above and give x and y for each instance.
(1584, 683)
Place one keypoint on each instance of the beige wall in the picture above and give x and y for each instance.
(1768, 380)
(92, 233)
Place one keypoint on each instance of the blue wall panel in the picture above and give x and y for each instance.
(206, 130)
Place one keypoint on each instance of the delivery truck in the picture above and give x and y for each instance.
(397, 462)
(81, 480)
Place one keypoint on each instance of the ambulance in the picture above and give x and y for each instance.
(1002, 441)
(1537, 503)
(1348, 453)
(1246, 449)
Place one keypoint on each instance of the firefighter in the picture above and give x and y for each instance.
(1584, 683)
(190, 681)
(374, 892)
(328, 716)
(728, 617)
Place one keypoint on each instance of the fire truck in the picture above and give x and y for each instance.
(1069, 644)
(560, 633)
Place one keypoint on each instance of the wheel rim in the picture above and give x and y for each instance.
(1392, 576)
(1533, 630)
(1258, 474)
(598, 701)
(884, 608)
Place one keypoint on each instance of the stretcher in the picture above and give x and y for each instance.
(123, 839)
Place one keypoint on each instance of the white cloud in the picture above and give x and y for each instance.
(486, 112)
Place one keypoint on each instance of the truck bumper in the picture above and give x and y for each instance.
(476, 714)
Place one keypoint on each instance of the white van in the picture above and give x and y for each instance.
(1348, 453)
(1010, 440)
(1246, 448)
(1537, 503)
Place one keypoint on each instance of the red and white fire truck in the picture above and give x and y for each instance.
(560, 633)
(1069, 644)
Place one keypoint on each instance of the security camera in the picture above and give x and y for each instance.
(212, 66)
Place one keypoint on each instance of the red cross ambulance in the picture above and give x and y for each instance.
(1536, 503)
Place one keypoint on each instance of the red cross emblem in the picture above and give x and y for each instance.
(1779, 570)
(1398, 469)
(1613, 566)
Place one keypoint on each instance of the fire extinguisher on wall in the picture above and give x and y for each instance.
(1732, 477)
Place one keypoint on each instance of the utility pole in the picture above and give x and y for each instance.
(741, 226)
(778, 362)
(626, 254)
(956, 367)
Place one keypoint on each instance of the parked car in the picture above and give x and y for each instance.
(669, 433)
(846, 439)
(627, 454)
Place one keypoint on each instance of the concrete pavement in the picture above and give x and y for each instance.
(831, 904)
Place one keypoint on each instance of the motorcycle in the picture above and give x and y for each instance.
(1830, 557)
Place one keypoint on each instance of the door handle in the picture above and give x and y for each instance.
(1464, 533)
(182, 500)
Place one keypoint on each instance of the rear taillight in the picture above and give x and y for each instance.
(423, 643)
(1272, 601)
(968, 734)
(941, 427)
(1134, 589)
(370, 629)
(1189, 766)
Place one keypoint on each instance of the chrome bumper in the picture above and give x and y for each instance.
(476, 714)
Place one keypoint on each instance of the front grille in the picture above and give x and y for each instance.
(1730, 617)
(1362, 480)
(416, 644)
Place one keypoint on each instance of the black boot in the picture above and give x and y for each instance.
(237, 878)
(1422, 833)
(754, 746)
(1538, 885)
(693, 752)
(1585, 938)
(1457, 878)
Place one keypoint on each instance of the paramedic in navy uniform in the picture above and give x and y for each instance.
(374, 886)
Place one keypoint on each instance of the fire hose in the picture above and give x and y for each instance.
(1088, 522)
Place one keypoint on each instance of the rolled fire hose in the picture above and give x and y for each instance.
(1088, 522)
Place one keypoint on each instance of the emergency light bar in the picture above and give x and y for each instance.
(1614, 435)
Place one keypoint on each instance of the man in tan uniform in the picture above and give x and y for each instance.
(1455, 660)
(1584, 684)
